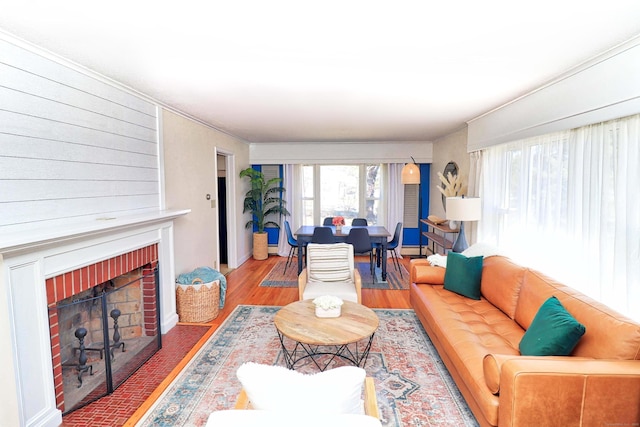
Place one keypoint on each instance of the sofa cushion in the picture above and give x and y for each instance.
(276, 388)
(501, 282)
(463, 275)
(464, 331)
(553, 332)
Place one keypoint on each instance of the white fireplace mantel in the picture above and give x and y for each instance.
(27, 259)
(32, 239)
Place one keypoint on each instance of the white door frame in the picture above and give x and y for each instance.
(232, 247)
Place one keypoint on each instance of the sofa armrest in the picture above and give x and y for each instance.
(421, 271)
(418, 261)
(492, 366)
(569, 391)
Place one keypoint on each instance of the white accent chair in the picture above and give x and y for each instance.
(330, 270)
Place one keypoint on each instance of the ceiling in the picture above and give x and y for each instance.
(352, 71)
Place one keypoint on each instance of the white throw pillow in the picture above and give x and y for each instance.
(330, 262)
(437, 260)
(276, 388)
(481, 249)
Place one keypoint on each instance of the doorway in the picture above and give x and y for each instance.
(222, 219)
(224, 165)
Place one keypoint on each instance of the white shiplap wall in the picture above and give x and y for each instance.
(72, 147)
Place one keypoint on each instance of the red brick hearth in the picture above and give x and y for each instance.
(74, 282)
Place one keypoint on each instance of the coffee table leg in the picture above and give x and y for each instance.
(365, 353)
(288, 357)
(356, 357)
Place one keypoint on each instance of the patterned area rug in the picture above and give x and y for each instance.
(412, 385)
(279, 279)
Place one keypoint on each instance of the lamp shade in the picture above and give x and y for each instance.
(410, 174)
(463, 208)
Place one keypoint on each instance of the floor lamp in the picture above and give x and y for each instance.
(411, 175)
(463, 209)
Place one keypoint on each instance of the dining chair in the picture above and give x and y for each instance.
(323, 235)
(328, 221)
(359, 238)
(359, 222)
(293, 243)
(393, 245)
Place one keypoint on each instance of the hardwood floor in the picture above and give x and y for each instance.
(243, 289)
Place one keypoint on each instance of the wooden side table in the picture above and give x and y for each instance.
(314, 336)
(438, 235)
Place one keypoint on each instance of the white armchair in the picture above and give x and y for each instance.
(330, 270)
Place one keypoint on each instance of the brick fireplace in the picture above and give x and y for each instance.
(138, 306)
(39, 269)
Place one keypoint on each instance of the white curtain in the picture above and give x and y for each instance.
(568, 204)
(292, 183)
(394, 199)
(473, 190)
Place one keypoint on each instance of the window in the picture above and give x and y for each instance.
(351, 191)
(308, 194)
(566, 204)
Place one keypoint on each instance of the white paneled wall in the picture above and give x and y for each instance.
(72, 147)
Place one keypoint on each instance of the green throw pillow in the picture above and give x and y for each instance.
(463, 275)
(553, 332)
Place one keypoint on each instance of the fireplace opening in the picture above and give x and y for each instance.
(105, 334)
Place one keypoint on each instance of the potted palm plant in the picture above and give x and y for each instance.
(263, 199)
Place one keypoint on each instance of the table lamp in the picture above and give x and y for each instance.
(462, 209)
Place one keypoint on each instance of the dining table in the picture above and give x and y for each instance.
(377, 234)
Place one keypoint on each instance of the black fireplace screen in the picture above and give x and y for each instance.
(106, 334)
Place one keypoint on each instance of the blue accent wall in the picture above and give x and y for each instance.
(410, 236)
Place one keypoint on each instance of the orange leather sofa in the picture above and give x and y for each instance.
(597, 385)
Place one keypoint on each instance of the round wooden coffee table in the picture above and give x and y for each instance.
(336, 336)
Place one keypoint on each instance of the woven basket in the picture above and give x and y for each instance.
(198, 302)
(260, 246)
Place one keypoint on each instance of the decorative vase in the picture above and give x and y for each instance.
(338, 228)
(331, 312)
